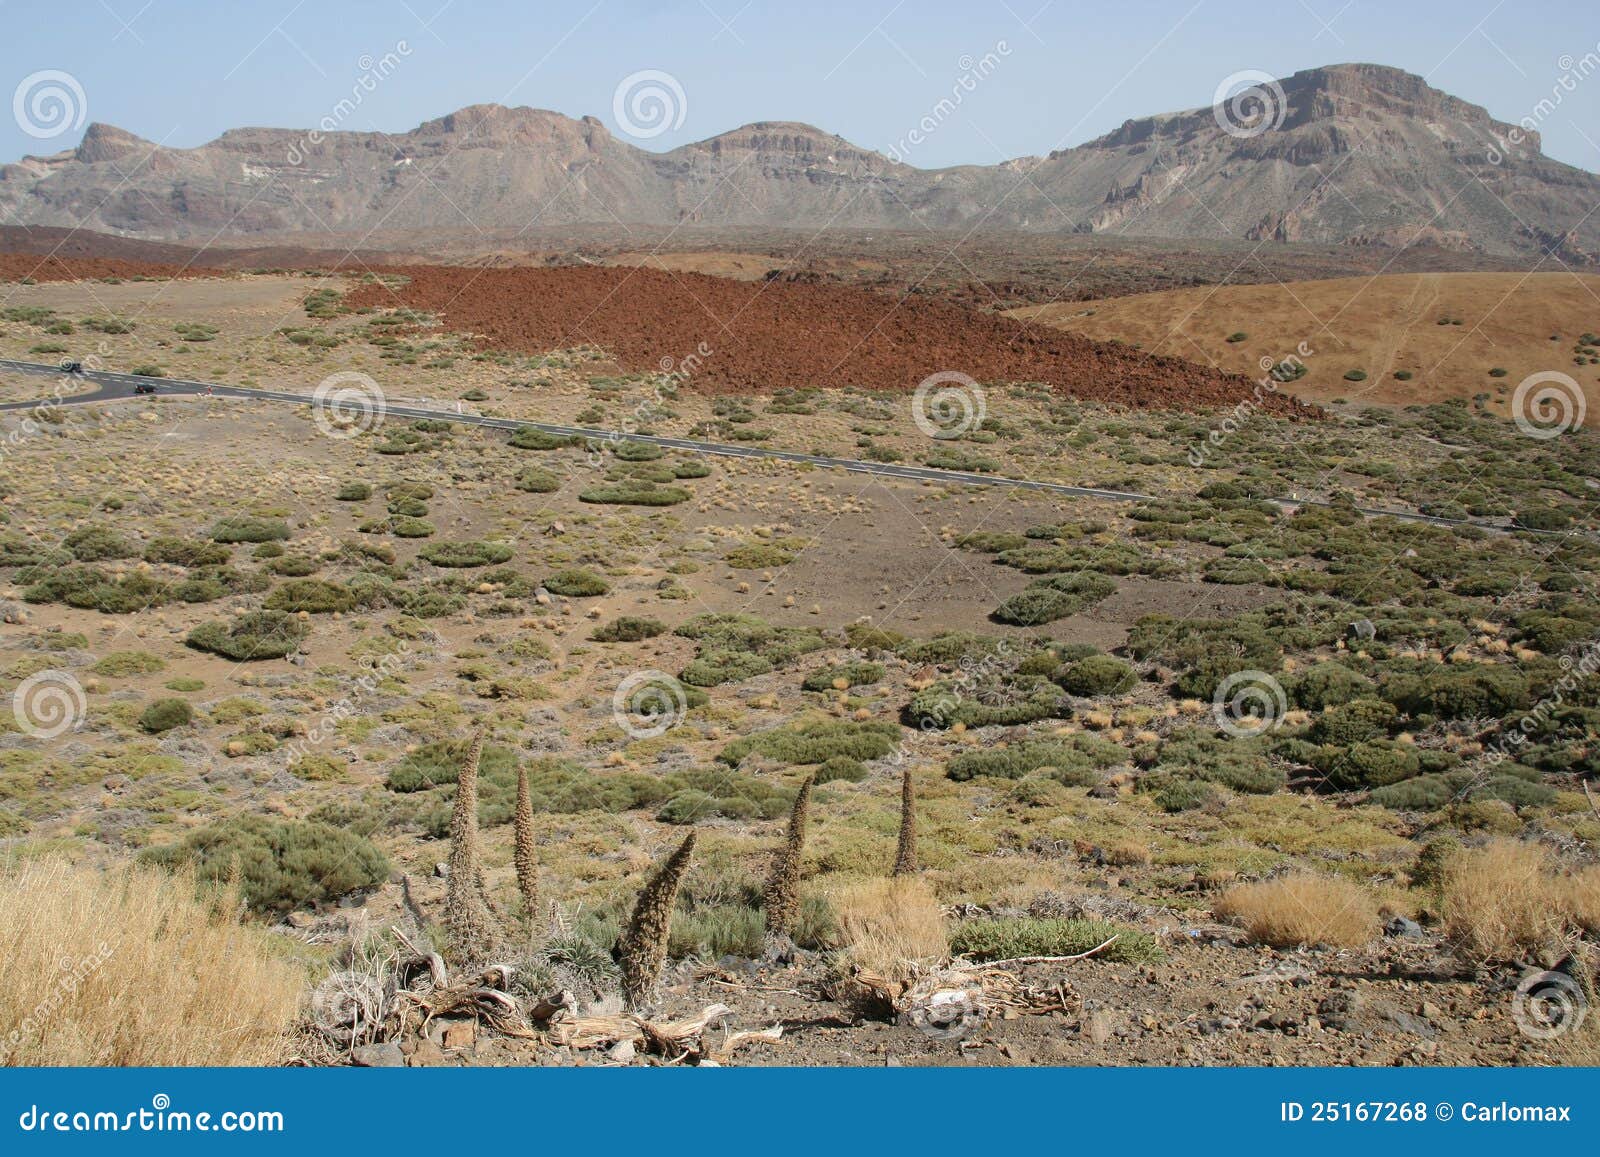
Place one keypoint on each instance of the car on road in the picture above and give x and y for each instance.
(144, 388)
(72, 367)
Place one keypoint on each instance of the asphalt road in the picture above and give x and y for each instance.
(112, 387)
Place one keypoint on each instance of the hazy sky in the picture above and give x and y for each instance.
(1060, 72)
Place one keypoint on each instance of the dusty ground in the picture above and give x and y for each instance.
(1522, 323)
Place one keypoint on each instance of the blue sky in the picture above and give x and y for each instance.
(181, 72)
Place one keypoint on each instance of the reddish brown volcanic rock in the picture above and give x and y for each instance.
(765, 336)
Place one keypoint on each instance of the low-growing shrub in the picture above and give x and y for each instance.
(255, 635)
(1010, 937)
(243, 528)
(1096, 675)
(280, 864)
(165, 714)
(576, 583)
(461, 555)
(628, 629)
(841, 676)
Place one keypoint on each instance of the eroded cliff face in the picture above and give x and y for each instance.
(1353, 153)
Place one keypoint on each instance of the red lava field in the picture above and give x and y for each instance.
(17, 266)
(766, 336)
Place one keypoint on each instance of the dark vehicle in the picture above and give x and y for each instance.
(72, 367)
(144, 388)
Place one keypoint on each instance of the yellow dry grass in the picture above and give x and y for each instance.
(1581, 898)
(128, 967)
(1379, 325)
(887, 926)
(1503, 901)
(1302, 910)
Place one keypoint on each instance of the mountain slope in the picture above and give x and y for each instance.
(1354, 153)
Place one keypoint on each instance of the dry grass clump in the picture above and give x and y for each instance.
(129, 967)
(886, 926)
(1300, 910)
(1504, 900)
(1581, 896)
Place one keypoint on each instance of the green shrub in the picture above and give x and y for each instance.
(759, 556)
(816, 742)
(313, 596)
(461, 555)
(1354, 722)
(165, 714)
(243, 528)
(186, 552)
(538, 480)
(1071, 762)
(531, 438)
(281, 864)
(1327, 685)
(97, 543)
(841, 767)
(628, 629)
(122, 664)
(856, 673)
(576, 583)
(1097, 675)
(1474, 691)
(255, 635)
(635, 494)
(354, 492)
(1053, 598)
(1011, 937)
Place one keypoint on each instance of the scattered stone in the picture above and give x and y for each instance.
(1402, 927)
(460, 1034)
(379, 1056)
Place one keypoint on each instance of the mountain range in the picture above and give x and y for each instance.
(1355, 154)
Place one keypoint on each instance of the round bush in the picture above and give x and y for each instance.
(1097, 675)
(576, 583)
(281, 864)
(242, 528)
(459, 555)
(354, 492)
(628, 629)
(256, 635)
(165, 714)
